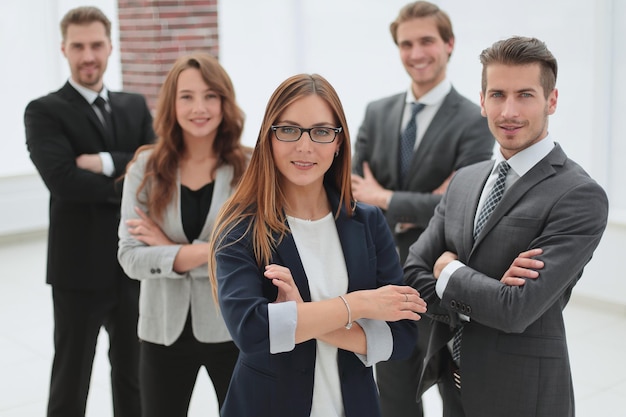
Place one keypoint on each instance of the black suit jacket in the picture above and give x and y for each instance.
(84, 206)
(457, 136)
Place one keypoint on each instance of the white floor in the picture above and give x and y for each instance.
(597, 336)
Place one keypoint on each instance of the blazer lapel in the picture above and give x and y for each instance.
(441, 119)
(79, 102)
(353, 241)
(474, 189)
(221, 191)
(542, 170)
(288, 256)
(115, 111)
(392, 131)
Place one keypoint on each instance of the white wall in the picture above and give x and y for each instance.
(348, 42)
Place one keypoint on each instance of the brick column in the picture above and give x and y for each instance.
(153, 33)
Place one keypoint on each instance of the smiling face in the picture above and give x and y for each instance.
(304, 163)
(198, 108)
(423, 52)
(87, 49)
(516, 107)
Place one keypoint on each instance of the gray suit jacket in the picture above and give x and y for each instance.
(166, 296)
(457, 136)
(514, 358)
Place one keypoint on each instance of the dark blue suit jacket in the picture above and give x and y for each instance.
(276, 385)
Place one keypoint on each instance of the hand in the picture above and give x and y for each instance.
(90, 162)
(522, 268)
(368, 190)
(391, 303)
(444, 185)
(145, 230)
(282, 279)
(442, 262)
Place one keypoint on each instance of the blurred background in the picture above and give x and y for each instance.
(348, 42)
(260, 43)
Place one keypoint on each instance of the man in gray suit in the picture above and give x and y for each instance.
(502, 271)
(449, 133)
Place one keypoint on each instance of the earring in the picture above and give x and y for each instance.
(337, 153)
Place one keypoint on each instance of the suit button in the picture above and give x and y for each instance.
(453, 304)
(158, 270)
(152, 270)
(469, 310)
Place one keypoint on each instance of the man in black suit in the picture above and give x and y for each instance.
(449, 133)
(80, 145)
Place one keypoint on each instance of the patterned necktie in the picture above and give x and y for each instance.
(407, 141)
(106, 120)
(494, 197)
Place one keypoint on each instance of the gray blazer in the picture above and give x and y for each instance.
(514, 358)
(457, 136)
(166, 296)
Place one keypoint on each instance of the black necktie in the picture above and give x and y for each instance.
(407, 141)
(106, 120)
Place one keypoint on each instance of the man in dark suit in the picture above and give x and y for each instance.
(449, 133)
(79, 150)
(506, 246)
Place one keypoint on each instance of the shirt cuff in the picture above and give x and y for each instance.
(282, 318)
(108, 168)
(388, 202)
(444, 277)
(379, 341)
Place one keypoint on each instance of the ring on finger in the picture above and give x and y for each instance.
(406, 298)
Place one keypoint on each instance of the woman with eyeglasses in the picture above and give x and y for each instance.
(173, 191)
(308, 281)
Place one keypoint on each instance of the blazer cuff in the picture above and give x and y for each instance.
(282, 318)
(379, 341)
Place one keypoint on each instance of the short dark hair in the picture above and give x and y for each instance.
(420, 9)
(519, 50)
(84, 15)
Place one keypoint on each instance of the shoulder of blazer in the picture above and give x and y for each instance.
(366, 213)
(63, 96)
(456, 99)
(122, 98)
(70, 94)
(476, 170)
(388, 101)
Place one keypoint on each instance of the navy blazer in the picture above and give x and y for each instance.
(281, 385)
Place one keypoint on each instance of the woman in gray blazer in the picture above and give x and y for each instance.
(173, 191)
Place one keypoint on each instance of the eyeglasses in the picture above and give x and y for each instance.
(317, 134)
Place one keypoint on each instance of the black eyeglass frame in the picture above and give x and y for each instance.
(337, 130)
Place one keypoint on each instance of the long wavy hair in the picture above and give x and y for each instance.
(259, 197)
(162, 164)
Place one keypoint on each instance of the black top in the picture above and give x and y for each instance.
(194, 206)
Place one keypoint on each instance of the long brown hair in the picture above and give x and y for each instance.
(259, 197)
(162, 164)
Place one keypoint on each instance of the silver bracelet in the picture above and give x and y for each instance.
(348, 325)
